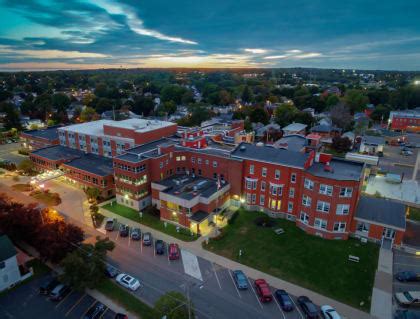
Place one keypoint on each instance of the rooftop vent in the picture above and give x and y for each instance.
(259, 144)
(242, 148)
(328, 168)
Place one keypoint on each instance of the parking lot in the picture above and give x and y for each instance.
(405, 262)
(10, 152)
(211, 286)
(26, 302)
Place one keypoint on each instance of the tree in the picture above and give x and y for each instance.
(247, 95)
(168, 107)
(92, 193)
(85, 266)
(172, 93)
(258, 114)
(341, 144)
(225, 97)
(285, 114)
(60, 101)
(88, 114)
(12, 116)
(174, 305)
(380, 113)
(341, 117)
(356, 100)
(331, 100)
(26, 166)
(143, 106)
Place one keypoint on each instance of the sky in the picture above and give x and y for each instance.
(79, 34)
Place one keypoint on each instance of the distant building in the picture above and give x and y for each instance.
(35, 139)
(408, 120)
(295, 128)
(9, 269)
(332, 90)
(372, 145)
(326, 131)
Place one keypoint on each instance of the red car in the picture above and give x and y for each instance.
(173, 252)
(263, 291)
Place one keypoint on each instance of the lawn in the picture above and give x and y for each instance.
(150, 220)
(414, 214)
(47, 198)
(309, 261)
(22, 187)
(126, 300)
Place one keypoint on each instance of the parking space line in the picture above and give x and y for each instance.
(75, 305)
(255, 294)
(61, 301)
(297, 308)
(154, 248)
(106, 309)
(217, 277)
(118, 235)
(167, 253)
(234, 284)
(129, 236)
(141, 242)
(93, 303)
(278, 305)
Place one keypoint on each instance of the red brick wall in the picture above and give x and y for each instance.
(150, 136)
(401, 123)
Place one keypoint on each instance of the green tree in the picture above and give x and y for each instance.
(85, 266)
(12, 116)
(88, 114)
(331, 100)
(93, 193)
(258, 114)
(341, 144)
(380, 113)
(356, 100)
(174, 305)
(26, 166)
(285, 114)
(225, 97)
(341, 117)
(143, 106)
(60, 101)
(247, 95)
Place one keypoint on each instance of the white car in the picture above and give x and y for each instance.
(329, 312)
(128, 282)
(408, 298)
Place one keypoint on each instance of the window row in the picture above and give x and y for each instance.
(328, 189)
(200, 161)
(277, 173)
(319, 223)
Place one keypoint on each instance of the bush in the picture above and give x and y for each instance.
(23, 152)
(233, 217)
(152, 210)
(264, 221)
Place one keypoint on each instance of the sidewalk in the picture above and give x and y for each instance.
(381, 306)
(195, 247)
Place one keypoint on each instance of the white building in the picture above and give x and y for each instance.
(9, 268)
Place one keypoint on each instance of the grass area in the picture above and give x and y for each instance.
(335, 153)
(126, 300)
(414, 213)
(309, 261)
(150, 220)
(48, 198)
(22, 187)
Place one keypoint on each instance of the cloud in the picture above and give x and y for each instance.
(308, 55)
(275, 57)
(136, 24)
(293, 51)
(49, 54)
(294, 55)
(256, 51)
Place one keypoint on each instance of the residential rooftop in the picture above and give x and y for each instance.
(381, 211)
(340, 169)
(373, 140)
(294, 142)
(324, 128)
(7, 250)
(295, 127)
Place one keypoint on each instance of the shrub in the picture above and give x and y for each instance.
(264, 221)
(233, 217)
(23, 152)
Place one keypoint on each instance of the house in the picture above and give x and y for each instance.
(407, 120)
(9, 268)
(326, 131)
(292, 142)
(261, 132)
(372, 145)
(295, 128)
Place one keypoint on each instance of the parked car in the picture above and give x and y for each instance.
(121, 316)
(329, 312)
(48, 285)
(263, 291)
(159, 247)
(111, 271)
(406, 276)
(284, 300)
(136, 234)
(124, 230)
(110, 224)
(240, 279)
(408, 298)
(59, 292)
(173, 251)
(308, 307)
(95, 312)
(406, 153)
(147, 239)
(406, 314)
(128, 282)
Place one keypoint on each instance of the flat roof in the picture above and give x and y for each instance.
(49, 133)
(381, 211)
(95, 164)
(140, 125)
(342, 170)
(187, 187)
(374, 140)
(292, 142)
(269, 154)
(295, 127)
(199, 216)
(58, 152)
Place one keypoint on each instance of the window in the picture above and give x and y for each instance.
(251, 169)
(320, 223)
(161, 164)
(363, 227)
(215, 175)
(251, 184)
(339, 227)
(207, 162)
(214, 164)
(262, 200)
(290, 207)
(264, 172)
(306, 201)
(273, 204)
(304, 218)
(325, 189)
(342, 209)
(323, 206)
(248, 198)
(309, 184)
(292, 192)
(277, 174)
(254, 198)
(273, 190)
(263, 186)
(193, 159)
(199, 161)
(199, 172)
(346, 191)
(293, 178)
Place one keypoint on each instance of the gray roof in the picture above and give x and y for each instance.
(58, 152)
(373, 140)
(342, 170)
(199, 216)
(48, 133)
(7, 249)
(98, 165)
(293, 142)
(295, 127)
(270, 154)
(139, 153)
(381, 211)
(323, 128)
